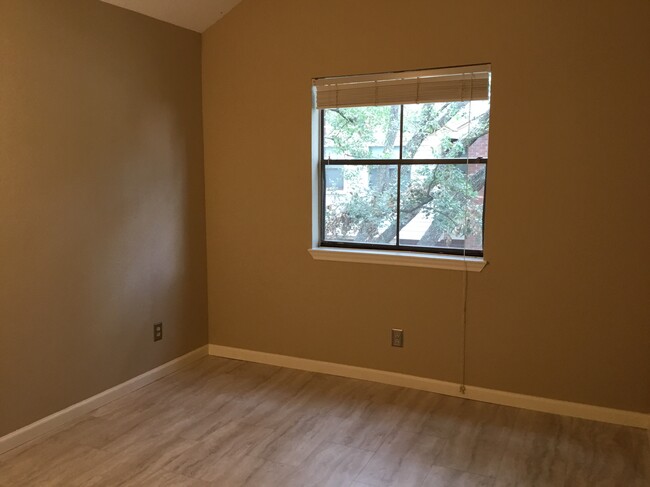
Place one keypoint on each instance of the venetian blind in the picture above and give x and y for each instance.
(462, 83)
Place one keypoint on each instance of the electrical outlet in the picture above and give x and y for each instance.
(397, 337)
(157, 331)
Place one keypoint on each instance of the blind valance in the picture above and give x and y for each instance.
(462, 83)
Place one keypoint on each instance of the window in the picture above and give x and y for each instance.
(403, 160)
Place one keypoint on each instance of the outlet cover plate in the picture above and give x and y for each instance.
(157, 331)
(397, 337)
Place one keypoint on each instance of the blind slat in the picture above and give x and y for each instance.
(427, 87)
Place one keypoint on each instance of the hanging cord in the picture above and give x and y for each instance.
(466, 227)
(464, 335)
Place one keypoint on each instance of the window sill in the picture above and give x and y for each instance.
(411, 259)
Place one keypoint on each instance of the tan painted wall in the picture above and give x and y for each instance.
(562, 309)
(101, 201)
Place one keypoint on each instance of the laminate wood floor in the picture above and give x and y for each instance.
(229, 423)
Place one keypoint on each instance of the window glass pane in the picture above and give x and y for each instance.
(361, 133)
(362, 208)
(334, 178)
(442, 205)
(446, 130)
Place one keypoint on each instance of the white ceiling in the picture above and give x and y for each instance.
(196, 15)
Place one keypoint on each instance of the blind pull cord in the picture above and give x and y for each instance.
(466, 225)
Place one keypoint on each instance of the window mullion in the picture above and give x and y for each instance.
(399, 173)
(405, 162)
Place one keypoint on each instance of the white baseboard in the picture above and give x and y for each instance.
(534, 403)
(49, 423)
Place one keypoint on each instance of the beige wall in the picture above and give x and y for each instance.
(562, 309)
(101, 201)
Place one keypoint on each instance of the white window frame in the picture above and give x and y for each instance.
(372, 256)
